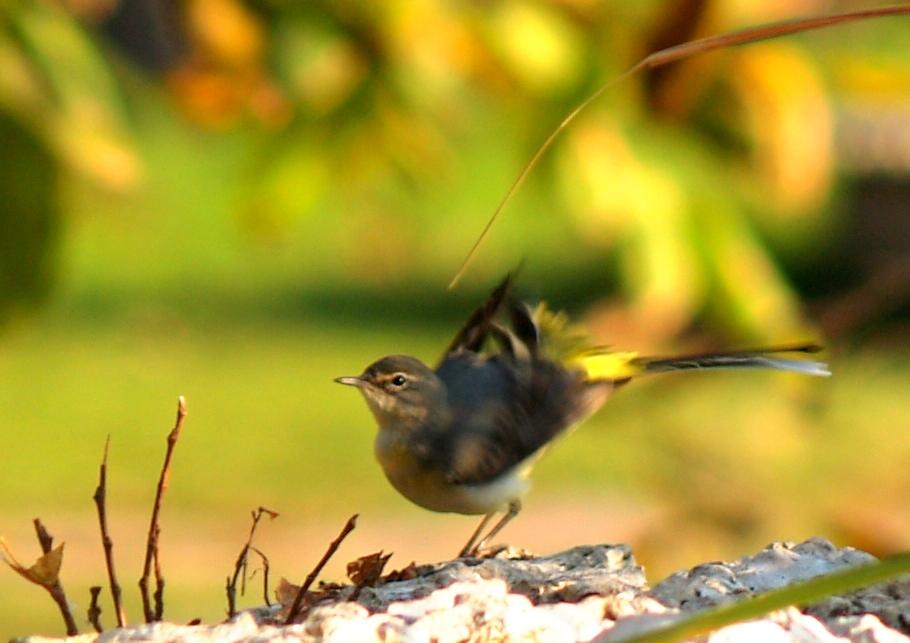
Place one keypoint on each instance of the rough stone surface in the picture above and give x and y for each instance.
(777, 565)
(586, 593)
(867, 629)
(567, 576)
(890, 602)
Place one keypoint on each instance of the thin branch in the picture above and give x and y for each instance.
(108, 544)
(257, 516)
(240, 566)
(265, 575)
(44, 538)
(664, 57)
(94, 611)
(151, 549)
(333, 547)
(230, 584)
(158, 594)
(55, 588)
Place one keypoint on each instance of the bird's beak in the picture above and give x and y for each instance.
(350, 380)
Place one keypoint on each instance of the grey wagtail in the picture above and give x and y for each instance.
(464, 436)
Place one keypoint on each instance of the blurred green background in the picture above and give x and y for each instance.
(238, 201)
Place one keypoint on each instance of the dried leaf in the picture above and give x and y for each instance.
(45, 571)
(286, 591)
(410, 572)
(367, 570)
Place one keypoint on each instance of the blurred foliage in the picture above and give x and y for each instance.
(30, 217)
(239, 200)
(688, 179)
(59, 106)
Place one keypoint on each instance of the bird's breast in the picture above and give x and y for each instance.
(431, 489)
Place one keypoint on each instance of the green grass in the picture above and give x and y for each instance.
(731, 460)
(262, 402)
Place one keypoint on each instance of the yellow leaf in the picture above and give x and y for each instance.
(45, 571)
(540, 46)
(791, 122)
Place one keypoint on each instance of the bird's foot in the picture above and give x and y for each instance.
(501, 550)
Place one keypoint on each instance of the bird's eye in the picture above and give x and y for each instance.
(398, 380)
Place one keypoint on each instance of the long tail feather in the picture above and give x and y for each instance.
(757, 358)
(618, 367)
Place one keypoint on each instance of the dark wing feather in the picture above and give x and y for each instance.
(504, 407)
(503, 413)
(524, 326)
(475, 329)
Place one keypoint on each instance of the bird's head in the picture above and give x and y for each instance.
(401, 391)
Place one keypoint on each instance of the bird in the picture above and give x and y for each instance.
(463, 437)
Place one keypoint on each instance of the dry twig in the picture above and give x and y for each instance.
(333, 547)
(45, 572)
(265, 575)
(99, 498)
(151, 550)
(94, 611)
(44, 538)
(240, 566)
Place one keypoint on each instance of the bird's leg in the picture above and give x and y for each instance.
(511, 512)
(470, 549)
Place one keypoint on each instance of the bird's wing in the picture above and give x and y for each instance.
(472, 334)
(503, 415)
(505, 405)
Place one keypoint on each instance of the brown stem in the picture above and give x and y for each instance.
(265, 575)
(56, 590)
(151, 549)
(94, 611)
(240, 565)
(333, 547)
(44, 538)
(108, 544)
(158, 595)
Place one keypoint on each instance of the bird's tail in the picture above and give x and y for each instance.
(551, 332)
(619, 367)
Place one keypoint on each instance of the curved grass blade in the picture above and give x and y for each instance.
(664, 57)
(803, 593)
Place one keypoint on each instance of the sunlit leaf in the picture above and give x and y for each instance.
(45, 571)
(791, 123)
(226, 30)
(537, 44)
(322, 66)
(637, 205)
(84, 119)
